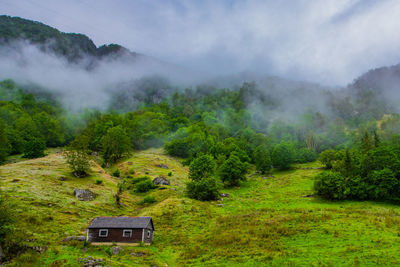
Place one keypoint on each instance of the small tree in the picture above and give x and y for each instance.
(283, 156)
(78, 160)
(5, 146)
(115, 144)
(232, 171)
(202, 167)
(262, 159)
(331, 185)
(327, 158)
(203, 189)
(34, 148)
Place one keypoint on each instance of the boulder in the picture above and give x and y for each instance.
(162, 166)
(116, 250)
(161, 180)
(81, 238)
(84, 194)
(90, 262)
(130, 163)
(138, 254)
(225, 195)
(62, 178)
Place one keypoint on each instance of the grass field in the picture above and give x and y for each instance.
(266, 221)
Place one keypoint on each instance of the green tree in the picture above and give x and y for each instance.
(366, 142)
(202, 167)
(34, 148)
(203, 189)
(327, 158)
(262, 159)
(115, 144)
(283, 156)
(331, 185)
(232, 171)
(78, 160)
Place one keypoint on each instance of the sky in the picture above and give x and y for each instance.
(326, 41)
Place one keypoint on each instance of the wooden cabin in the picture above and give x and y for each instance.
(121, 230)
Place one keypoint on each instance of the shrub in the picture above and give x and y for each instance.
(327, 158)
(116, 173)
(305, 155)
(148, 200)
(170, 174)
(283, 156)
(262, 159)
(144, 186)
(232, 171)
(202, 167)
(34, 148)
(203, 189)
(331, 185)
(99, 182)
(385, 184)
(79, 161)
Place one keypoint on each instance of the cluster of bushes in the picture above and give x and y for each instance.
(369, 172)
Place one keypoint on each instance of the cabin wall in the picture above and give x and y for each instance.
(146, 238)
(115, 235)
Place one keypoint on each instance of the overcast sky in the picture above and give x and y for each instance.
(327, 41)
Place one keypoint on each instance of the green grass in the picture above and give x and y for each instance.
(265, 222)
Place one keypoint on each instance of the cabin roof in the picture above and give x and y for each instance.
(121, 222)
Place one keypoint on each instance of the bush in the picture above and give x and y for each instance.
(262, 159)
(148, 200)
(232, 171)
(99, 182)
(170, 174)
(305, 155)
(331, 185)
(384, 184)
(144, 186)
(116, 173)
(203, 189)
(202, 167)
(78, 161)
(327, 158)
(34, 148)
(283, 156)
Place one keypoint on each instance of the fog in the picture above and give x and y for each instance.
(325, 41)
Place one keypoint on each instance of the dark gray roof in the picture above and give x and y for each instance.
(121, 222)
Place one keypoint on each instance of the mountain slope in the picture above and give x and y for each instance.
(265, 221)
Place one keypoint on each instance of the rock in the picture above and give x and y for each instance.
(162, 166)
(225, 195)
(94, 153)
(84, 194)
(2, 256)
(116, 250)
(15, 180)
(308, 196)
(220, 205)
(78, 238)
(90, 262)
(161, 180)
(130, 163)
(69, 238)
(138, 254)
(41, 249)
(81, 238)
(62, 178)
(173, 188)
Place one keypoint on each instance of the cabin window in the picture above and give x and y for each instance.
(148, 234)
(103, 233)
(127, 233)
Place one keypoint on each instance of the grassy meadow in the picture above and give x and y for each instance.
(267, 221)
